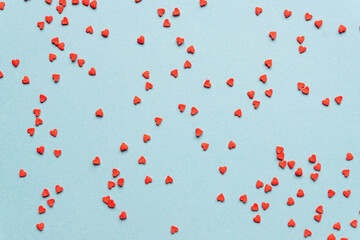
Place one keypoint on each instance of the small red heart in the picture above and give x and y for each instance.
(231, 145)
(124, 147)
(146, 74)
(111, 203)
(312, 158)
(282, 164)
(54, 132)
(308, 17)
(230, 82)
(85, 2)
(272, 35)
(58, 189)
(89, 29)
(300, 193)
(291, 164)
(305, 90)
(142, 160)
(174, 73)
(38, 121)
(291, 223)
(2, 5)
(243, 198)
(342, 29)
(146, 138)
(258, 10)
(73, 56)
(337, 226)
(99, 113)
(299, 172)
(174, 229)
(326, 102)
(221, 197)
(45, 193)
(203, 3)
(318, 23)
(111, 184)
(307, 233)
(194, 111)
(158, 121)
(31, 131)
(60, 9)
(176, 12)
(269, 92)
(55, 41)
(93, 4)
(65, 21)
(279, 149)
(40, 226)
(81, 62)
(179, 41)
(319, 209)
(120, 182)
(354, 223)
(314, 176)
(41, 25)
(96, 161)
(300, 85)
(52, 57)
(56, 77)
(40, 150)
(22, 173)
(207, 84)
(115, 172)
(238, 113)
(302, 49)
(92, 71)
(106, 199)
(15, 62)
(256, 104)
(48, 1)
(317, 167)
(137, 100)
(105, 33)
(168, 180)
(198, 132)
(191, 49)
(267, 188)
(290, 201)
(148, 86)
(275, 181)
(318, 217)
(287, 13)
(331, 193)
(161, 12)
(187, 64)
(251, 94)
(1, 75)
(349, 156)
(57, 153)
(166, 23)
(51, 202)
(338, 100)
(26, 80)
(263, 78)
(346, 172)
(148, 180)
(300, 39)
(62, 2)
(257, 219)
(268, 63)
(259, 184)
(254, 207)
(141, 40)
(41, 209)
(347, 193)
(123, 215)
(181, 107)
(204, 146)
(222, 170)
(265, 205)
(48, 19)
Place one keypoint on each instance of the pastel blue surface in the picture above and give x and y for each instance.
(230, 41)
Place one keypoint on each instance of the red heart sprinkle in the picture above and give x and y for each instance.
(317, 167)
(81, 62)
(106, 199)
(300, 193)
(198, 132)
(65, 21)
(346, 172)
(326, 102)
(54, 132)
(204, 146)
(93, 4)
(176, 12)
(291, 164)
(258, 10)
(338, 99)
(123, 215)
(257, 219)
(111, 184)
(187, 64)
(275, 181)
(26, 80)
(207, 84)
(203, 3)
(168, 180)
(120, 182)
(331, 193)
(15, 62)
(99, 113)
(318, 23)
(342, 29)
(61, 46)
(243, 198)
(268, 63)
(354, 223)
(222, 170)
(96, 161)
(45, 193)
(174, 73)
(146, 138)
(48, 1)
(314, 176)
(40, 226)
(174, 229)
(148, 86)
(238, 113)
(308, 17)
(105, 33)
(256, 104)
(319, 209)
(347, 193)
(337, 226)
(267, 188)
(38, 121)
(265, 205)
(263, 78)
(141, 40)
(318, 217)
(89, 29)
(221, 197)
(230, 82)
(85, 2)
(269, 92)
(194, 111)
(142, 160)
(51, 202)
(259, 184)
(161, 12)
(58, 189)
(124, 147)
(73, 56)
(231, 145)
(57, 153)
(137, 100)
(312, 158)
(291, 223)
(62, 2)
(331, 237)
(305, 90)
(31, 131)
(181, 107)
(300, 85)
(191, 49)
(60, 9)
(290, 201)
(179, 41)
(287, 13)
(166, 23)
(56, 77)
(40, 150)
(300, 39)
(282, 164)
(349, 156)
(52, 57)
(115, 172)
(111, 203)
(254, 207)
(22, 173)
(41, 209)
(158, 121)
(251, 94)
(41, 25)
(148, 180)
(92, 71)
(307, 233)
(146, 74)
(272, 35)
(37, 112)
(302, 49)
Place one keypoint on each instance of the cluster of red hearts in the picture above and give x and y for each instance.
(268, 187)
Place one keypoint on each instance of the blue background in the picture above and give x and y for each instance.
(230, 41)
